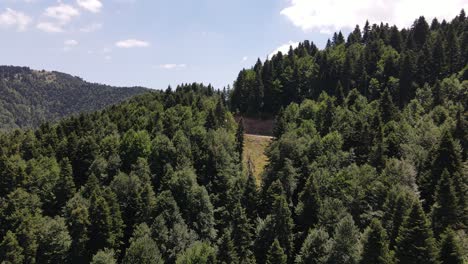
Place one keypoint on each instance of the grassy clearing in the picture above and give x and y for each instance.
(254, 150)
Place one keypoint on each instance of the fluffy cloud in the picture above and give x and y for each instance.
(132, 43)
(12, 18)
(90, 5)
(49, 27)
(62, 13)
(284, 48)
(91, 28)
(331, 15)
(171, 66)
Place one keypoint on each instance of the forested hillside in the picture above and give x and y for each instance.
(371, 60)
(29, 98)
(361, 170)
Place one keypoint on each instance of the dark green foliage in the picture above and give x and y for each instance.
(30, 97)
(450, 250)
(445, 211)
(276, 254)
(159, 178)
(346, 244)
(375, 248)
(226, 250)
(142, 248)
(316, 248)
(10, 250)
(415, 243)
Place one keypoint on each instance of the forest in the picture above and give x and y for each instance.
(29, 98)
(368, 164)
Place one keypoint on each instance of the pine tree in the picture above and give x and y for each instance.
(444, 211)
(226, 251)
(450, 250)
(250, 197)
(339, 93)
(142, 248)
(446, 158)
(308, 207)
(276, 254)
(10, 250)
(387, 108)
(346, 246)
(242, 234)
(316, 248)
(415, 243)
(65, 188)
(283, 223)
(376, 248)
(240, 137)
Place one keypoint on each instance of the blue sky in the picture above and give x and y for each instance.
(154, 43)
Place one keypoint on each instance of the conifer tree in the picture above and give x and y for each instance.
(376, 246)
(10, 250)
(309, 204)
(276, 254)
(240, 137)
(444, 211)
(346, 246)
(242, 234)
(226, 251)
(450, 250)
(415, 243)
(316, 248)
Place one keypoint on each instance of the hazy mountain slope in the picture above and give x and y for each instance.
(29, 97)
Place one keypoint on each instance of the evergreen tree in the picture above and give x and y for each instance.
(106, 256)
(242, 234)
(450, 250)
(240, 137)
(415, 243)
(346, 246)
(10, 250)
(308, 207)
(444, 211)
(316, 248)
(226, 251)
(142, 248)
(199, 252)
(376, 246)
(387, 108)
(276, 254)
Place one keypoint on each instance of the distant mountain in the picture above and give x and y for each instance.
(30, 97)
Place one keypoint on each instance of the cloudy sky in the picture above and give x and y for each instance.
(155, 43)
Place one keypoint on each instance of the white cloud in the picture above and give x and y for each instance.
(63, 13)
(132, 43)
(12, 18)
(245, 58)
(171, 66)
(90, 5)
(91, 28)
(332, 15)
(70, 42)
(49, 27)
(284, 48)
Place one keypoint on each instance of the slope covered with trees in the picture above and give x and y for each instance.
(351, 178)
(29, 98)
(371, 60)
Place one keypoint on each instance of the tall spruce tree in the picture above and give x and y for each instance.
(376, 247)
(415, 243)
